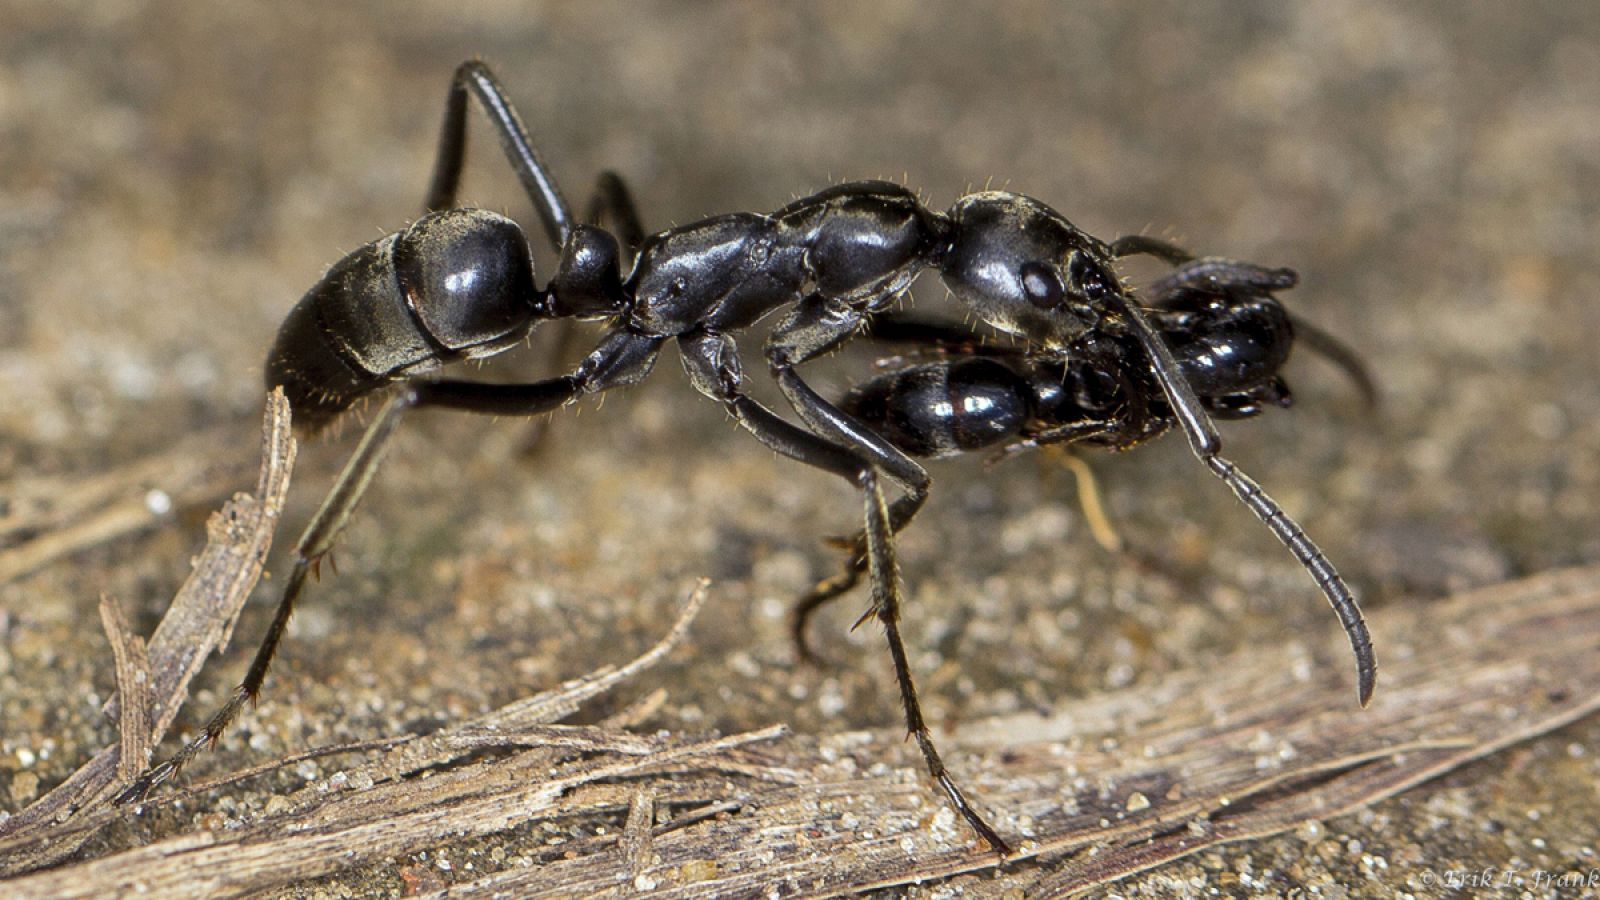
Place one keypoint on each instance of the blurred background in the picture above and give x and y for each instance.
(173, 176)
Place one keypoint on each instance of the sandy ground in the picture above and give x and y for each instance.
(172, 178)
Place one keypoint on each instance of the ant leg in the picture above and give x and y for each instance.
(824, 593)
(713, 365)
(622, 358)
(1060, 439)
(1238, 277)
(1205, 443)
(329, 520)
(886, 600)
(832, 422)
(815, 327)
(1339, 353)
(612, 203)
(1094, 508)
(1230, 276)
(474, 78)
(1141, 245)
(1211, 272)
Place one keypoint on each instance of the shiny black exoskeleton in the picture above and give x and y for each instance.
(1230, 344)
(459, 283)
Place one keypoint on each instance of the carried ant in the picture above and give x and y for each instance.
(955, 391)
(459, 284)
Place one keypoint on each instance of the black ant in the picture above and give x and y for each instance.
(459, 284)
(956, 393)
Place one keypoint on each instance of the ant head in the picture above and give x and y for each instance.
(1021, 267)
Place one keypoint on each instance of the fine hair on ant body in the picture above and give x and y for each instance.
(459, 284)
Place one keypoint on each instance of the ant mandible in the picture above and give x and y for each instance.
(459, 284)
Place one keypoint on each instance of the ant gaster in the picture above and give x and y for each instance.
(459, 284)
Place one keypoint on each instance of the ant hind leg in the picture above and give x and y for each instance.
(330, 519)
(612, 203)
(621, 358)
(475, 79)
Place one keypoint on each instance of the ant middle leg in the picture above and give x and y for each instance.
(713, 366)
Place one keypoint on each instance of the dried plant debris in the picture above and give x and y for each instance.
(1102, 788)
(199, 620)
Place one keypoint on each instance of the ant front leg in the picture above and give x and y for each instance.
(474, 79)
(816, 326)
(712, 362)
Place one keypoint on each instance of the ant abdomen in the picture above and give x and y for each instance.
(455, 284)
(942, 409)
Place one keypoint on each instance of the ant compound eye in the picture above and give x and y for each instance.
(1042, 285)
(1090, 278)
